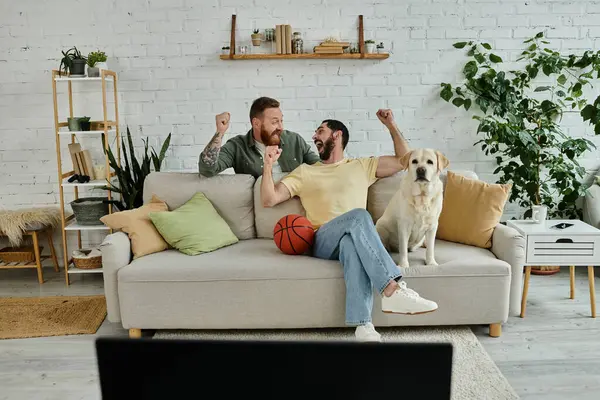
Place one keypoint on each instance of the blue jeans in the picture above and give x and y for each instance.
(352, 239)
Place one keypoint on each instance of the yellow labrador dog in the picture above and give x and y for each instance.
(411, 217)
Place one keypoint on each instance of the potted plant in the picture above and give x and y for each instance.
(132, 174)
(520, 124)
(85, 123)
(72, 63)
(94, 60)
(225, 50)
(256, 39)
(380, 47)
(370, 44)
(520, 121)
(77, 124)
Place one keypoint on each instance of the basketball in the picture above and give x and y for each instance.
(293, 234)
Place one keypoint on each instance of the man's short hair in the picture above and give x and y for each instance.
(260, 105)
(336, 125)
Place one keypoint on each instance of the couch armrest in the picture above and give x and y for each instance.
(509, 245)
(116, 253)
(591, 206)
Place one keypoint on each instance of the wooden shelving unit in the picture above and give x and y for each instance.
(361, 55)
(110, 127)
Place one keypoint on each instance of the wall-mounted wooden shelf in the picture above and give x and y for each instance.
(375, 56)
(273, 56)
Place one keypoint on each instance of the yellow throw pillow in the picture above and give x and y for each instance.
(471, 210)
(144, 237)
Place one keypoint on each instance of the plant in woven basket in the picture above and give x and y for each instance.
(520, 124)
(132, 173)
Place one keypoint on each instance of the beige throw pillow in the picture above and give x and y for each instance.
(144, 237)
(472, 208)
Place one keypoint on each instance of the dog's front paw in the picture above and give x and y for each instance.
(431, 262)
(404, 264)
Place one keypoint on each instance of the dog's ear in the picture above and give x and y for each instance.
(442, 161)
(404, 160)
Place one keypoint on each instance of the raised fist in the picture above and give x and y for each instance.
(222, 121)
(272, 154)
(385, 116)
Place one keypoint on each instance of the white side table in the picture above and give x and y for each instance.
(576, 245)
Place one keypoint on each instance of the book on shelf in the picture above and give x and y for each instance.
(82, 161)
(328, 50)
(88, 165)
(278, 41)
(74, 148)
(283, 39)
(335, 44)
(288, 39)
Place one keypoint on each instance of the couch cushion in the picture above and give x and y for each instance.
(471, 211)
(455, 259)
(255, 259)
(382, 191)
(231, 196)
(259, 259)
(145, 239)
(195, 227)
(266, 218)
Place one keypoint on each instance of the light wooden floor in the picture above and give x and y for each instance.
(553, 353)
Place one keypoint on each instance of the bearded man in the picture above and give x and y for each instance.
(245, 153)
(334, 194)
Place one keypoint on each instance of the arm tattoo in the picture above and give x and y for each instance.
(210, 154)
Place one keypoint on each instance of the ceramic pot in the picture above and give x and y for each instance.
(101, 65)
(78, 67)
(74, 124)
(85, 125)
(93, 72)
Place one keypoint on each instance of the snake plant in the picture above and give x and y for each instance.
(132, 173)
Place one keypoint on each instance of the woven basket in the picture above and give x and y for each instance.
(89, 210)
(82, 260)
(18, 254)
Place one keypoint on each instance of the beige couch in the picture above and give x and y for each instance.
(252, 285)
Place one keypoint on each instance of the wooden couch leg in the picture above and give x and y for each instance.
(135, 333)
(495, 330)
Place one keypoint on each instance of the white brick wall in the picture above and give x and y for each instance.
(172, 80)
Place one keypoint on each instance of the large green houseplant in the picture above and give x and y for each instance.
(132, 173)
(520, 121)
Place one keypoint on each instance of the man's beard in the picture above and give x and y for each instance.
(327, 149)
(270, 139)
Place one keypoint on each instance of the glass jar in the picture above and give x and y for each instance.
(269, 34)
(297, 43)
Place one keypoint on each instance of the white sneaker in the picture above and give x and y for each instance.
(367, 333)
(406, 301)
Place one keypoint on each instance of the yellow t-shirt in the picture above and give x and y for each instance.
(330, 190)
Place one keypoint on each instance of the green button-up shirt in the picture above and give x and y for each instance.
(240, 152)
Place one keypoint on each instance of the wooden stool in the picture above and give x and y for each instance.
(38, 257)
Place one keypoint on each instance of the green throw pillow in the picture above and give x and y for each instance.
(195, 227)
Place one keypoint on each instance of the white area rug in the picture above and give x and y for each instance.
(474, 377)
